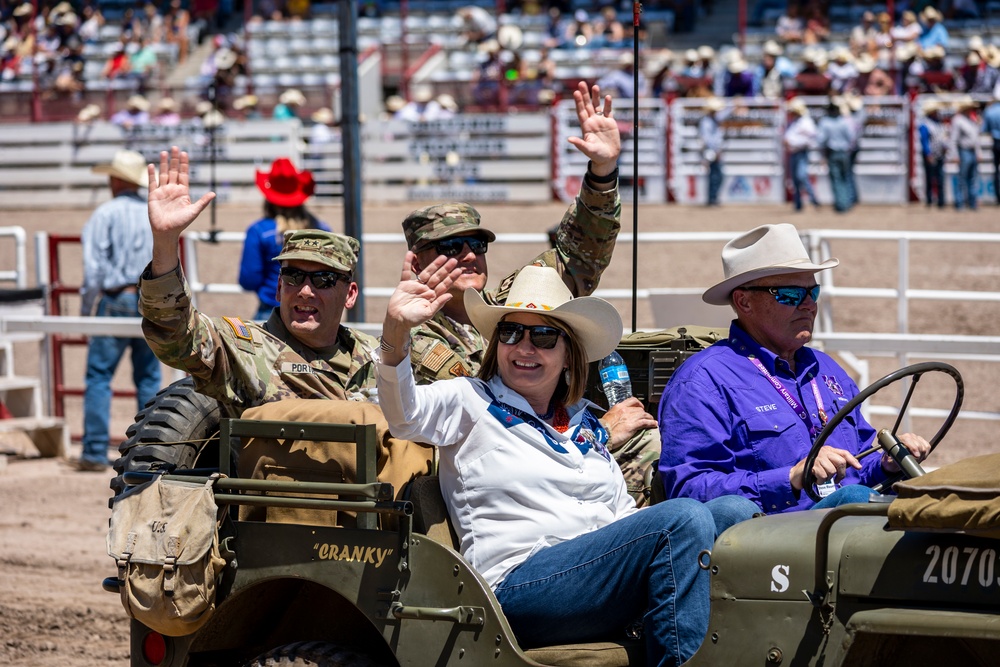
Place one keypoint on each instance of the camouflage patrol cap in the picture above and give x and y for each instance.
(441, 221)
(314, 245)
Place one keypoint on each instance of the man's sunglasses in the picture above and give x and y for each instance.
(789, 295)
(451, 247)
(542, 336)
(319, 279)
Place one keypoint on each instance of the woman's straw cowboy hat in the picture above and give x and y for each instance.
(539, 290)
(768, 250)
(126, 165)
(285, 185)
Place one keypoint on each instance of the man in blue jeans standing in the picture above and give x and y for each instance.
(991, 125)
(965, 141)
(117, 246)
(710, 129)
(799, 138)
(836, 137)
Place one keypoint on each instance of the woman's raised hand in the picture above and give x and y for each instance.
(420, 295)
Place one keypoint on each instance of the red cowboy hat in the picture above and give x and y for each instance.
(284, 185)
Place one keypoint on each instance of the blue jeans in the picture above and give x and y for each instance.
(798, 164)
(595, 585)
(714, 181)
(103, 355)
(845, 495)
(968, 179)
(839, 164)
(934, 180)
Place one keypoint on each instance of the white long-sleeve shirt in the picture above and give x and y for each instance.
(510, 490)
(801, 134)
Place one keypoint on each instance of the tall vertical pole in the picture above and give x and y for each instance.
(36, 93)
(636, 10)
(351, 133)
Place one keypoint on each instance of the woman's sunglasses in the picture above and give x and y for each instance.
(319, 279)
(542, 336)
(452, 247)
(789, 295)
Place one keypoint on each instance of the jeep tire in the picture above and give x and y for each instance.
(313, 654)
(169, 433)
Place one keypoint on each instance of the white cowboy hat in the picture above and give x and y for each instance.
(772, 48)
(88, 113)
(865, 63)
(797, 106)
(934, 52)
(246, 101)
(691, 55)
(423, 94)
(137, 102)
(126, 165)
(768, 250)
(292, 96)
(738, 66)
(166, 104)
(510, 36)
(706, 52)
(539, 290)
(203, 107)
(714, 104)
(323, 115)
(930, 14)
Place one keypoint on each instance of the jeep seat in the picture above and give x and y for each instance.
(430, 517)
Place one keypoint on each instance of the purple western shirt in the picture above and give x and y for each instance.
(727, 430)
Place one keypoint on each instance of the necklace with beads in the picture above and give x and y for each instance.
(559, 415)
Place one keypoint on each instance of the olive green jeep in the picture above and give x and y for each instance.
(861, 584)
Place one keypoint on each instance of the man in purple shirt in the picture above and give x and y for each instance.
(740, 417)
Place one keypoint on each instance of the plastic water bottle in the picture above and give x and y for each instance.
(614, 379)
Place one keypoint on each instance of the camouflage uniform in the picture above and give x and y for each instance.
(243, 364)
(444, 348)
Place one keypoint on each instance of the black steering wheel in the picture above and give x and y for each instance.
(916, 371)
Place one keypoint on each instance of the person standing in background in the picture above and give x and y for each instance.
(933, 147)
(800, 137)
(117, 245)
(285, 191)
(710, 130)
(964, 140)
(836, 137)
(991, 125)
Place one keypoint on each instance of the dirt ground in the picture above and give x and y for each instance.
(53, 521)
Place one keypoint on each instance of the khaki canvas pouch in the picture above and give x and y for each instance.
(164, 538)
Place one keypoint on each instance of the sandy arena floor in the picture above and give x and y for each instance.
(53, 521)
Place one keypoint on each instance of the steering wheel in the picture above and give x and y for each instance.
(916, 371)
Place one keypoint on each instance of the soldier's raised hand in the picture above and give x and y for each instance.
(170, 207)
(601, 141)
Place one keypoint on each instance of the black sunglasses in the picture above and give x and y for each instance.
(542, 336)
(789, 295)
(319, 279)
(452, 246)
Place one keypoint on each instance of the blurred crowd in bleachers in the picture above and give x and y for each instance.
(525, 57)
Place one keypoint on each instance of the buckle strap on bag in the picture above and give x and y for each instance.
(170, 563)
(123, 567)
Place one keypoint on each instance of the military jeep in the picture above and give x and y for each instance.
(848, 586)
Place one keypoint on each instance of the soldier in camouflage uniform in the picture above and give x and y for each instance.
(301, 351)
(449, 346)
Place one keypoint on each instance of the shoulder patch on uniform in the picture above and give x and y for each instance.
(458, 370)
(435, 357)
(505, 284)
(239, 327)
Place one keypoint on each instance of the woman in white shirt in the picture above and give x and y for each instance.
(539, 505)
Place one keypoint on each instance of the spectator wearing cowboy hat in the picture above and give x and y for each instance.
(933, 149)
(991, 125)
(165, 114)
(740, 416)
(285, 191)
(799, 139)
(288, 105)
(935, 34)
(135, 113)
(117, 245)
(247, 104)
(965, 132)
(712, 135)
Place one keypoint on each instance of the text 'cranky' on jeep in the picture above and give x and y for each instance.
(914, 581)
